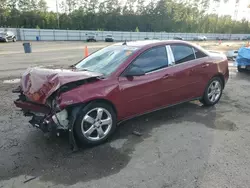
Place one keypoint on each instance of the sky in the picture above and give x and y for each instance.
(52, 4)
(221, 8)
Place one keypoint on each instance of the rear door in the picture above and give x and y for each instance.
(204, 70)
(187, 69)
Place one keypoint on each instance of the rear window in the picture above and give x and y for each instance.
(182, 53)
(199, 54)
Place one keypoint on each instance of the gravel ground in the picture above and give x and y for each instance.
(187, 145)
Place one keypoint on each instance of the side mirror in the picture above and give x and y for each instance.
(134, 71)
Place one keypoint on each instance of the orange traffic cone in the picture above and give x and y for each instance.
(86, 51)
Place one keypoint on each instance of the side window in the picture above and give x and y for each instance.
(199, 54)
(153, 59)
(182, 53)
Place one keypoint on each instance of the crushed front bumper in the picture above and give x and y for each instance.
(43, 117)
(47, 119)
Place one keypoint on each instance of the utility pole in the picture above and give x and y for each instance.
(58, 18)
(236, 9)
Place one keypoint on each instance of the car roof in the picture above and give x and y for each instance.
(151, 43)
(145, 44)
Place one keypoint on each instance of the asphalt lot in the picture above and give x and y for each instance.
(186, 146)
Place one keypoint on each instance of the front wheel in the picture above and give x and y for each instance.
(14, 39)
(95, 124)
(212, 92)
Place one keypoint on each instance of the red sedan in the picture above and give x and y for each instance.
(120, 82)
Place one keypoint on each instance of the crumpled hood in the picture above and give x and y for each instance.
(39, 83)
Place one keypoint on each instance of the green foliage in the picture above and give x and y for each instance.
(153, 15)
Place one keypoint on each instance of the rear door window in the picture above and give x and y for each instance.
(199, 54)
(182, 53)
(153, 59)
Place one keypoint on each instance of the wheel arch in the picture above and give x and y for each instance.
(108, 102)
(220, 75)
(101, 100)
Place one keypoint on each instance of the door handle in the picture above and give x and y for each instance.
(166, 76)
(206, 65)
(192, 70)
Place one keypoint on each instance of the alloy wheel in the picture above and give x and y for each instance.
(96, 124)
(214, 91)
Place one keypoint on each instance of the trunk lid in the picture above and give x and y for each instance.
(39, 83)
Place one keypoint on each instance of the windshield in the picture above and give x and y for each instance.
(106, 60)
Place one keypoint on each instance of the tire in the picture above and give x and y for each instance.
(89, 133)
(6, 40)
(212, 92)
(240, 69)
(14, 39)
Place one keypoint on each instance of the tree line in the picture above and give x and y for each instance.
(116, 15)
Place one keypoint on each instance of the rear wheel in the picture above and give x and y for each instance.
(212, 92)
(240, 69)
(6, 40)
(14, 39)
(95, 124)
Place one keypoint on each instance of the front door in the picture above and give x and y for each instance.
(141, 94)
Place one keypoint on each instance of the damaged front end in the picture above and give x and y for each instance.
(49, 118)
(39, 98)
(46, 117)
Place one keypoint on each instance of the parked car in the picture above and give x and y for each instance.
(178, 38)
(91, 37)
(243, 59)
(232, 54)
(200, 38)
(246, 38)
(120, 82)
(7, 36)
(222, 38)
(109, 38)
